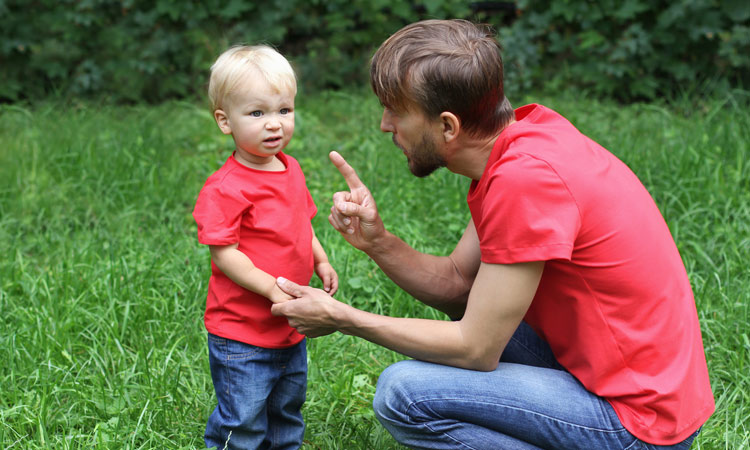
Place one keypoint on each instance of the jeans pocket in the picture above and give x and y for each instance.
(238, 351)
(231, 350)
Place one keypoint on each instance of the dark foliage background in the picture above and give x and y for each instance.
(146, 50)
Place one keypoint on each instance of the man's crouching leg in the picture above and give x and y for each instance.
(431, 406)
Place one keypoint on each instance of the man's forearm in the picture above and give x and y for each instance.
(434, 280)
(499, 300)
(436, 341)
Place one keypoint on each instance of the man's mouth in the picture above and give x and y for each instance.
(272, 140)
(395, 142)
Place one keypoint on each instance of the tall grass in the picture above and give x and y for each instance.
(102, 281)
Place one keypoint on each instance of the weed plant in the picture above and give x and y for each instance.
(103, 282)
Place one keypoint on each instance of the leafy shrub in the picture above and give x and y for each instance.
(632, 49)
(153, 50)
(132, 50)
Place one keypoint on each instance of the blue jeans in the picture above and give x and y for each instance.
(528, 402)
(260, 392)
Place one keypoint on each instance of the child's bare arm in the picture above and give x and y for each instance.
(240, 269)
(323, 268)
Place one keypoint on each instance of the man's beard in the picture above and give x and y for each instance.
(423, 158)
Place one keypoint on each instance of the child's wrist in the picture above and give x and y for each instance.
(277, 295)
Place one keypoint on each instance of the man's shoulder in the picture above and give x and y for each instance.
(536, 115)
(540, 131)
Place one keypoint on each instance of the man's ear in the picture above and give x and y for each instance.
(222, 120)
(451, 126)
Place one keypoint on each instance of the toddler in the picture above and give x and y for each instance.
(254, 213)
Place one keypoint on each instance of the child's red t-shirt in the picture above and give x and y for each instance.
(269, 214)
(614, 302)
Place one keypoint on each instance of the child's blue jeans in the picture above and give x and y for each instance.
(528, 402)
(260, 392)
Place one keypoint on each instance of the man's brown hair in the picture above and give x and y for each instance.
(444, 65)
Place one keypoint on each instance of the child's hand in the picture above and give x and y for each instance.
(328, 276)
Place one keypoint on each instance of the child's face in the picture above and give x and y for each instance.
(259, 118)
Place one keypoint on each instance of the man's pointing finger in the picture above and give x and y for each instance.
(350, 176)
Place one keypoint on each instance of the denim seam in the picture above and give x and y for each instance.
(632, 444)
(223, 344)
(447, 435)
(443, 399)
(216, 339)
(240, 356)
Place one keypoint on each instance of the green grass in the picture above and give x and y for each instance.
(102, 281)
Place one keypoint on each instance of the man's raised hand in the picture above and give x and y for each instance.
(354, 213)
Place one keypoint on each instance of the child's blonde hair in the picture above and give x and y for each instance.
(242, 61)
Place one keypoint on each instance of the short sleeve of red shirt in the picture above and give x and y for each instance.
(524, 192)
(218, 213)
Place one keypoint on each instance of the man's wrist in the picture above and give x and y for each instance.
(342, 317)
(380, 245)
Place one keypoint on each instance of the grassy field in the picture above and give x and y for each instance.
(102, 281)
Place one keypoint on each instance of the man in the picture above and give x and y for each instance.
(566, 273)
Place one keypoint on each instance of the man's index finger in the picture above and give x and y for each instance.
(350, 176)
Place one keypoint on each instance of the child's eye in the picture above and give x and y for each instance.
(284, 111)
(256, 113)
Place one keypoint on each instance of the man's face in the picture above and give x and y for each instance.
(417, 137)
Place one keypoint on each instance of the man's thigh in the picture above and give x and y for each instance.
(527, 405)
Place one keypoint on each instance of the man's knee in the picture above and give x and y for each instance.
(392, 393)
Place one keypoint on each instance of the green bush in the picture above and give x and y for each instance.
(133, 50)
(139, 50)
(630, 50)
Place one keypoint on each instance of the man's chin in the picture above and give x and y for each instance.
(422, 171)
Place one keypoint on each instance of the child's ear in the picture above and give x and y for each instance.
(222, 121)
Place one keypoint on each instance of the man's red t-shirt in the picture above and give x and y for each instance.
(269, 214)
(614, 302)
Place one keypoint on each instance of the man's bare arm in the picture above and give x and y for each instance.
(443, 282)
(439, 281)
(498, 301)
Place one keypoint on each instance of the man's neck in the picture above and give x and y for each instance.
(470, 155)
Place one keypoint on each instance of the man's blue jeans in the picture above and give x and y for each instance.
(260, 392)
(528, 402)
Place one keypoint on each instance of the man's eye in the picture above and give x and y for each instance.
(256, 113)
(284, 111)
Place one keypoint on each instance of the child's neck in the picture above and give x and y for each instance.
(270, 164)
